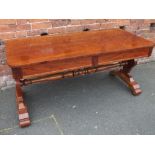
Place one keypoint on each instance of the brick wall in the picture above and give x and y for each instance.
(20, 28)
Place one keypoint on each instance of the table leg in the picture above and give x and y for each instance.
(124, 75)
(21, 107)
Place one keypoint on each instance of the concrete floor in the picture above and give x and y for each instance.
(94, 104)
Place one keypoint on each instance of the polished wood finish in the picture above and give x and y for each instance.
(28, 51)
(45, 58)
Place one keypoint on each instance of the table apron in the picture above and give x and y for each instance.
(46, 68)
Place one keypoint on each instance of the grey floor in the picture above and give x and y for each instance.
(94, 104)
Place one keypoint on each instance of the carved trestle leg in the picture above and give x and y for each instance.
(124, 75)
(21, 107)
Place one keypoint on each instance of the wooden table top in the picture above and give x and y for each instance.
(28, 51)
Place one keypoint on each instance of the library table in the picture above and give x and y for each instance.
(43, 58)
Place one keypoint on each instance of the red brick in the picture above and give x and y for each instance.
(37, 20)
(60, 22)
(56, 30)
(132, 29)
(75, 22)
(7, 28)
(23, 27)
(35, 32)
(22, 21)
(95, 26)
(123, 20)
(139, 23)
(136, 21)
(74, 28)
(142, 24)
(7, 21)
(120, 22)
(21, 34)
(88, 21)
(109, 25)
(108, 20)
(102, 20)
(148, 21)
(6, 36)
(42, 25)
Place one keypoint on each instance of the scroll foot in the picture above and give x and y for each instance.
(129, 81)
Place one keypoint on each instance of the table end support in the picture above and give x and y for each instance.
(124, 75)
(22, 111)
(23, 114)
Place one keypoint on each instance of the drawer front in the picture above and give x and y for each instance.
(77, 63)
(122, 56)
(55, 67)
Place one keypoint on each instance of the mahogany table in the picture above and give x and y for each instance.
(44, 58)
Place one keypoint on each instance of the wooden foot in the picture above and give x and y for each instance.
(129, 81)
(124, 75)
(21, 107)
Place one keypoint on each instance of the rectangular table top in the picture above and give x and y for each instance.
(28, 51)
